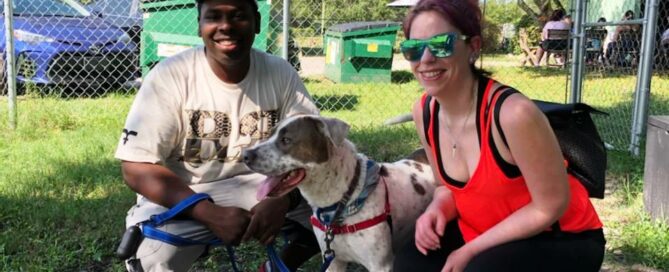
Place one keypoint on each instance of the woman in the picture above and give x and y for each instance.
(625, 39)
(498, 203)
(558, 20)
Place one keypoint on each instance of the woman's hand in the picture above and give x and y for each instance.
(429, 229)
(458, 260)
(431, 224)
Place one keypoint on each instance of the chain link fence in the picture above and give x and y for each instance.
(347, 52)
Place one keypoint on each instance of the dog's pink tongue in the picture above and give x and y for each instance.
(267, 186)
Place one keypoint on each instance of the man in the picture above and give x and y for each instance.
(184, 134)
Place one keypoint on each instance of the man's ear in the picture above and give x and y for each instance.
(334, 129)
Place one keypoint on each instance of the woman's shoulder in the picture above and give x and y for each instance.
(556, 25)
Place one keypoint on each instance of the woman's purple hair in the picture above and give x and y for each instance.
(465, 15)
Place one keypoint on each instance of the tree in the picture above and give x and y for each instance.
(540, 10)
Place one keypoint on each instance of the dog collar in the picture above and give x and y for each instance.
(327, 217)
(343, 229)
(327, 214)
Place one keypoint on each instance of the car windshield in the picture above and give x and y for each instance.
(46, 8)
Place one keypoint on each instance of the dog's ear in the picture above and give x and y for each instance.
(334, 129)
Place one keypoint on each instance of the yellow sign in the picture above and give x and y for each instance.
(373, 47)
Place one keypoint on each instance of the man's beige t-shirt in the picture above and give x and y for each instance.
(185, 118)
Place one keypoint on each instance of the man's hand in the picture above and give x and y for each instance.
(227, 223)
(267, 218)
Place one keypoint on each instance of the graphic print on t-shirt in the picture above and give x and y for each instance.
(208, 135)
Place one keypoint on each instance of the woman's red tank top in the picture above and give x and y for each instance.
(490, 196)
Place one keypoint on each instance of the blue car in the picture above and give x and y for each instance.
(60, 43)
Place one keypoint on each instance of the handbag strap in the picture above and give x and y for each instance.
(426, 117)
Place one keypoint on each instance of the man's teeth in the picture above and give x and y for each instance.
(227, 42)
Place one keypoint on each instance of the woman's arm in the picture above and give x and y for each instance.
(431, 224)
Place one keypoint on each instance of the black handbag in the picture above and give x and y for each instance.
(579, 140)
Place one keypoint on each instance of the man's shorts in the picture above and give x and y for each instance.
(154, 255)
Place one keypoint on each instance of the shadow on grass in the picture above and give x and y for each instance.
(312, 80)
(336, 102)
(75, 92)
(386, 143)
(400, 77)
(607, 72)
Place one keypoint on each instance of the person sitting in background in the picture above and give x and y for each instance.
(664, 47)
(556, 21)
(567, 20)
(625, 42)
(595, 37)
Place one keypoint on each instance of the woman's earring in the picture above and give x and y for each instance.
(473, 58)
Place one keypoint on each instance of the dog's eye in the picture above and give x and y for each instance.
(286, 140)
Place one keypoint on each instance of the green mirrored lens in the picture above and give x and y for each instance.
(440, 46)
(413, 49)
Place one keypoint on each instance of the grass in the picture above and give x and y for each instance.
(63, 202)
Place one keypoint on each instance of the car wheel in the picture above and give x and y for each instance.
(4, 87)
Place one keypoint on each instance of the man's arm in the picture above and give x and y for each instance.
(160, 185)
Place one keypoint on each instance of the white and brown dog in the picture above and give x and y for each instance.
(371, 208)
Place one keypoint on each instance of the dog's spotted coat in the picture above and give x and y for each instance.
(319, 145)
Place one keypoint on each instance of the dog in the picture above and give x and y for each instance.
(380, 202)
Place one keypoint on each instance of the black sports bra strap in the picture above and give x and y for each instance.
(498, 105)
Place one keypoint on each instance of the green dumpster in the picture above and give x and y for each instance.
(360, 51)
(170, 26)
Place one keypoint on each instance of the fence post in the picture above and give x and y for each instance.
(9, 63)
(286, 28)
(578, 46)
(642, 92)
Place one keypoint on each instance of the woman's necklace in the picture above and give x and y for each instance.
(453, 138)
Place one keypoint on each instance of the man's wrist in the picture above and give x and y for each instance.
(294, 199)
(199, 210)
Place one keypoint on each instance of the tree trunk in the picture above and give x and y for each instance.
(543, 9)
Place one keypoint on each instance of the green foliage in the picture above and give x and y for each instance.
(501, 12)
(496, 14)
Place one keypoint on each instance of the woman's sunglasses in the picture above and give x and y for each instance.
(441, 46)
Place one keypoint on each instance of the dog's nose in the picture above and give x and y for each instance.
(248, 156)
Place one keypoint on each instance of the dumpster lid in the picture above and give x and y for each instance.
(347, 27)
(659, 121)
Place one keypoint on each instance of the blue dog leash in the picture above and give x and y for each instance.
(150, 230)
